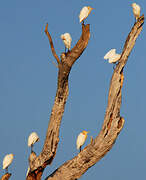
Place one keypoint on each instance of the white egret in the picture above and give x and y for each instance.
(67, 40)
(84, 13)
(136, 10)
(32, 139)
(81, 139)
(7, 161)
(112, 56)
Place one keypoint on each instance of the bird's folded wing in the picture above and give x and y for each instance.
(110, 54)
(115, 58)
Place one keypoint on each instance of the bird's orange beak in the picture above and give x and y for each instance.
(92, 9)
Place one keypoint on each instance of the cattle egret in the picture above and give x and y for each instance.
(136, 10)
(112, 56)
(67, 40)
(7, 161)
(32, 139)
(81, 139)
(84, 13)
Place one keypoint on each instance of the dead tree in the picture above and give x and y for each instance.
(113, 122)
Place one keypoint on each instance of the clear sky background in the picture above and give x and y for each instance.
(28, 82)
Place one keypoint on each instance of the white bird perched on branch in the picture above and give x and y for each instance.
(81, 139)
(112, 56)
(84, 13)
(136, 10)
(7, 161)
(67, 40)
(32, 139)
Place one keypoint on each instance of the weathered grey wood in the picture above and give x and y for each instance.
(112, 125)
(52, 136)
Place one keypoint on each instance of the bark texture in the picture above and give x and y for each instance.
(113, 122)
(37, 164)
(6, 176)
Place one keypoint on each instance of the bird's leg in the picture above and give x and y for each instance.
(6, 170)
(65, 50)
(83, 22)
(31, 148)
(80, 149)
(114, 66)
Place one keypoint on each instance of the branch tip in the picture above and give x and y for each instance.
(46, 28)
(91, 140)
(51, 44)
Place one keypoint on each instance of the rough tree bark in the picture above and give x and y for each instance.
(6, 176)
(48, 153)
(112, 125)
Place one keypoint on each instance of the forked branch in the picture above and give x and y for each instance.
(48, 153)
(112, 125)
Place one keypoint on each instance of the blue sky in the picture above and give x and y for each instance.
(28, 83)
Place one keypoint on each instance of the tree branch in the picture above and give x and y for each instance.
(112, 125)
(51, 44)
(6, 176)
(52, 136)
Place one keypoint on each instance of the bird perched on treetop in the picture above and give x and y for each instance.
(32, 139)
(84, 13)
(112, 56)
(67, 40)
(7, 161)
(136, 10)
(81, 139)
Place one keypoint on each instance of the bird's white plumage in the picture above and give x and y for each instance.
(115, 58)
(84, 13)
(81, 139)
(7, 160)
(136, 10)
(67, 40)
(33, 138)
(112, 56)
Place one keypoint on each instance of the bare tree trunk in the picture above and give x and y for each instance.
(48, 153)
(113, 122)
(112, 125)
